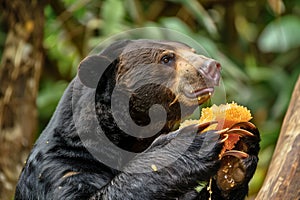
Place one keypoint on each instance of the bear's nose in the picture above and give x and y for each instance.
(211, 70)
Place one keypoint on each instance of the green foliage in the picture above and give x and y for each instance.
(113, 14)
(48, 98)
(281, 35)
(59, 48)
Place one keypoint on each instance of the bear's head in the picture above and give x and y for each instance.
(132, 76)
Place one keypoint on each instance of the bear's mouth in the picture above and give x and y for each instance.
(201, 94)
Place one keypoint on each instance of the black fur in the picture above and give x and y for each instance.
(63, 166)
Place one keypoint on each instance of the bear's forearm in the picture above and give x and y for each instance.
(141, 186)
(164, 183)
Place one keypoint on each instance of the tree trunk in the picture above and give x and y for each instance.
(20, 70)
(283, 178)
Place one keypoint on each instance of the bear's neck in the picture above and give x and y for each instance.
(126, 123)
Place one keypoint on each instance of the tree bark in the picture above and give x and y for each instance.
(20, 70)
(283, 177)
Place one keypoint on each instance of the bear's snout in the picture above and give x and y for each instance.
(211, 70)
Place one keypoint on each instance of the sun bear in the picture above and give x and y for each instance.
(113, 134)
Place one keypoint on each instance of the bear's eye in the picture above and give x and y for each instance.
(168, 59)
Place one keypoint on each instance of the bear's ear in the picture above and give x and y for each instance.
(92, 67)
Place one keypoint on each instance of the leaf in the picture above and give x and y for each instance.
(198, 11)
(113, 12)
(280, 35)
(49, 96)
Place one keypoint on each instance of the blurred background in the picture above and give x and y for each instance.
(42, 43)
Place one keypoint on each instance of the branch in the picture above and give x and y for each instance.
(74, 29)
(283, 177)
